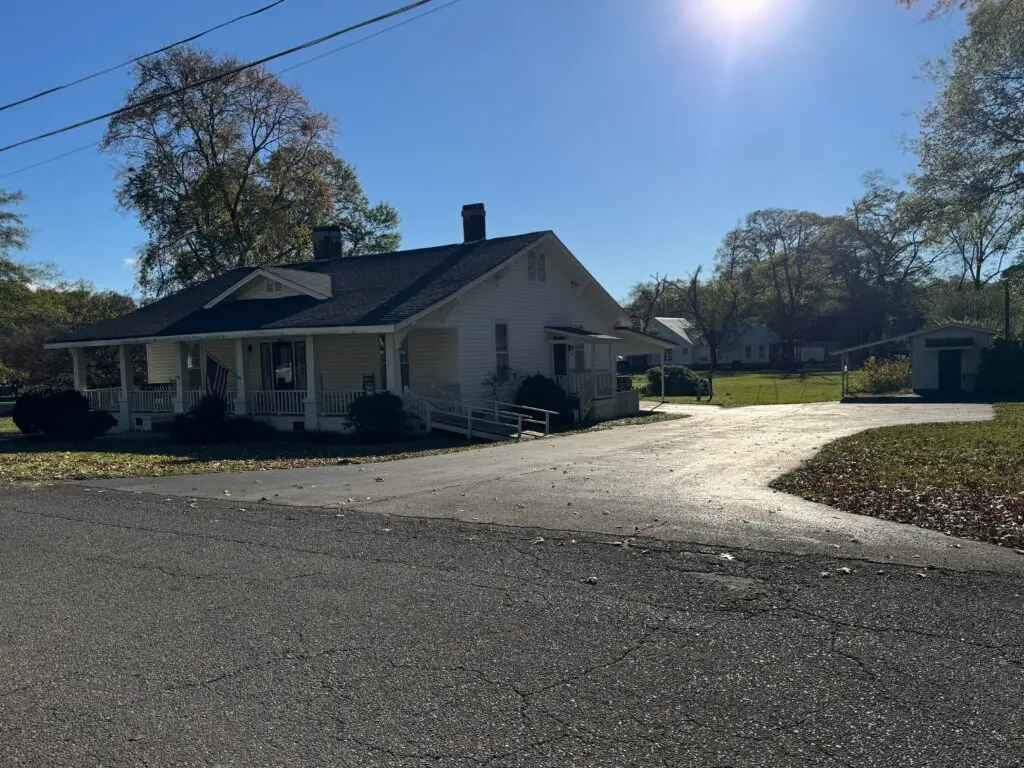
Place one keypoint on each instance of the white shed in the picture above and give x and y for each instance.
(944, 359)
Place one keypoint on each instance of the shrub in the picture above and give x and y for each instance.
(379, 417)
(879, 377)
(27, 413)
(210, 421)
(539, 391)
(1001, 371)
(62, 414)
(680, 381)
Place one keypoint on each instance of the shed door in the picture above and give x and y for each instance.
(950, 370)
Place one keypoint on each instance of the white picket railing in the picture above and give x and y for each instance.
(604, 384)
(448, 391)
(151, 401)
(336, 403)
(192, 398)
(104, 399)
(280, 402)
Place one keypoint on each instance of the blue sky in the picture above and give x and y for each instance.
(639, 130)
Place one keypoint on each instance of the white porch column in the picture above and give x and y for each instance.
(394, 382)
(124, 415)
(663, 376)
(312, 411)
(240, 388)
(180, 376)
(78, 373)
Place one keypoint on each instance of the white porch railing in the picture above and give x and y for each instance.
(151, 401)
(104, 399)
(192, 398)
(604, 384)
(336, 403)
(280, 402)
(601, 382)
(448, 391)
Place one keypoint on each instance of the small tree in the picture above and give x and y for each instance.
(714, 306)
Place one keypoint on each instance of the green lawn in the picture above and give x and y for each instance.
(34, 460)
(772, 388)
(963, 479)
(7, 426)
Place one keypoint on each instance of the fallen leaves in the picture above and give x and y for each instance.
(964, 480)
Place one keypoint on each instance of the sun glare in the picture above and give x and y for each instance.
(734, 14)
(736, 20)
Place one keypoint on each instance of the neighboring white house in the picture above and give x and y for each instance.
(674, 331)
(944, 359)
(451, 328)
(749, 345)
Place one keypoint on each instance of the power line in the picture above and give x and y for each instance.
(123, 64)
(304, 63)
(220, 76)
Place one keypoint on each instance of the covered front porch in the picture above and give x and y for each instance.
(293, 382)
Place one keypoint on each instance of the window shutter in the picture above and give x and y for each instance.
(531, 266)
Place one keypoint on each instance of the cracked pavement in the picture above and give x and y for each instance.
(150, 630)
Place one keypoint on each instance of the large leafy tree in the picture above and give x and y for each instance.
(972, 137)
(777, 256)
(233, 172)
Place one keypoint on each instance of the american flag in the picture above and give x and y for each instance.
(216, 378)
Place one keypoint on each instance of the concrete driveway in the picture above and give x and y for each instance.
(702, 479)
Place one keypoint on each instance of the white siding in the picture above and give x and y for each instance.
(257, 289)
(161, 362)
(433, 358)
(224, 352)
(341, 361)
(526, 307)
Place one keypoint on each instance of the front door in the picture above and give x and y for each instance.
(561, 353)
(950, 371)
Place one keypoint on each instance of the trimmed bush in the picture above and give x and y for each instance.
(61, 415)
(1001, 371)
(680, 381)
(539, 391)
(379, 417)
(210, 421)
(880, 377)
(27, 411)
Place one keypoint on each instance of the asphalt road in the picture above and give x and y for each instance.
(703, 479)
(141, 630)
(165, 632)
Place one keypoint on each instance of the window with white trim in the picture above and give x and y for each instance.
(501, 355)
(536, 267)
(668, 355)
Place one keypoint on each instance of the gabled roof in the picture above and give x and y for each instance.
(677, 325)
(908, 336)
(311, 284)
(380, 290)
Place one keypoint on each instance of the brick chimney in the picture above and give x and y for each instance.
(327, 243)
(474, 222)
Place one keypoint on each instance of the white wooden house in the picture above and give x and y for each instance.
(451, 328)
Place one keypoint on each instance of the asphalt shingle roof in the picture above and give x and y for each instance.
(381, 289)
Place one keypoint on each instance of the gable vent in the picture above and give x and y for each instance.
(274, 287)
(536, 267)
